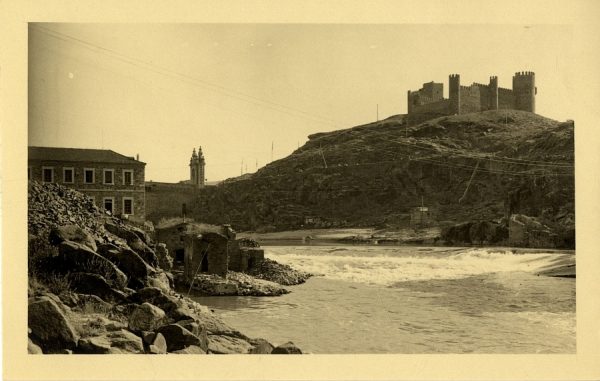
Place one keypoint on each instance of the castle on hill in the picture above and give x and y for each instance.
(429, 102)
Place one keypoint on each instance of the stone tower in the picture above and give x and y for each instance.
(493, 86)
(454, 93)
(524, 90)
(197, 164)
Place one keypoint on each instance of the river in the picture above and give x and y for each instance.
(374, 299)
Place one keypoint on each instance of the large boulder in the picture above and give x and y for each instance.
(75, 257)
(288, 348)
(159, 345)
(178, 338)
(191, 350)
(33, 349)
(94, 284)
(49, 325)
(146, 317)
(121, 341)
(157, 297)
(72, 233)
(526, 231)
(227, 345)
(127, 261)
(134, 241)
(261, 347)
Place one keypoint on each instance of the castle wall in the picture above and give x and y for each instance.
(470, 99)
(428, 111)
(506, 98)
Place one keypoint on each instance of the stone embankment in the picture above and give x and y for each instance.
(96, 286)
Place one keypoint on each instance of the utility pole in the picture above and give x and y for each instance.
(378, 112)
(272, 145)
(242, 168)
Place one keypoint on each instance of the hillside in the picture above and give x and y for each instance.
(477, 166)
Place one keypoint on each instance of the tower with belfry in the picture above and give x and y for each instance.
(197, 164)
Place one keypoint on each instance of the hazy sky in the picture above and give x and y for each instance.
(162, 89)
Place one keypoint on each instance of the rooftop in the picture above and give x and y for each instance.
(80, 155)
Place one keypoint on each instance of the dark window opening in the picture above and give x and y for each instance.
(89, 176)
(179, 255)
(127, 206)
(68, 176)
(108, 205)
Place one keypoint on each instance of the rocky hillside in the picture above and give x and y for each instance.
(478, 166)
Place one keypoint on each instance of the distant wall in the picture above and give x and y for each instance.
(420, 113)
(164, 200)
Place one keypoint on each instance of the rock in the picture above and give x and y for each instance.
(146, 317)
(94, 345)
(49, 326)
(178, 337)
(165, 261)
(148, 336)
(126, 341)
(75, 257)
(525, 231)
(91, 303)
(261, 347)
(159, 280)
(115, 326)
(287, 349)
(112, 342)
(72, 233)
(160, 343)
(33, 349)
(94, 284)
(127, 261)
(273, 271)
(155, 296)
(133, 240)
(190, 350)
(227, 345)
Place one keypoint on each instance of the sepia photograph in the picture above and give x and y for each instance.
(379, 191)
(324, 189)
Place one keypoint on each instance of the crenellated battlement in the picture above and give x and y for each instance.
(473, 98)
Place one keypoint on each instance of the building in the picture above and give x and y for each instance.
(421, 216)
(428, 102)
(197, 164)
(114, 181)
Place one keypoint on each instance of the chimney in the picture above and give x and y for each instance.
(137, 156)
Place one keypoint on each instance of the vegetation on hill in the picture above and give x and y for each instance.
(480, 166)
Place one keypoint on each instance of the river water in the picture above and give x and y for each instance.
(373, 299)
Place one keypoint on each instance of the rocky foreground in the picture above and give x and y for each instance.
(96, 286)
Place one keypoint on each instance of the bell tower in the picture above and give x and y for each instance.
(197, 164)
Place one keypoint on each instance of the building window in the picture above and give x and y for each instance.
(108, 204)
(68, 175)
(128, 177)
(88, 176)
(48, 174)
(109, 176)
(128, 205)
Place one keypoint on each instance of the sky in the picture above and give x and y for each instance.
(252, 93)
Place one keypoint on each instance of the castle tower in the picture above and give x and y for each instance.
(454, 93)
(493, 86)
(197, 164)
(524, 90)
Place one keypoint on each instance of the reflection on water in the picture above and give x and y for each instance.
(396, 301)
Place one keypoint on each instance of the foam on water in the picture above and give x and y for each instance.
(389, 265)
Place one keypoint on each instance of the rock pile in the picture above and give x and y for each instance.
(96, 286)
(235, 283)
(270, 270)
